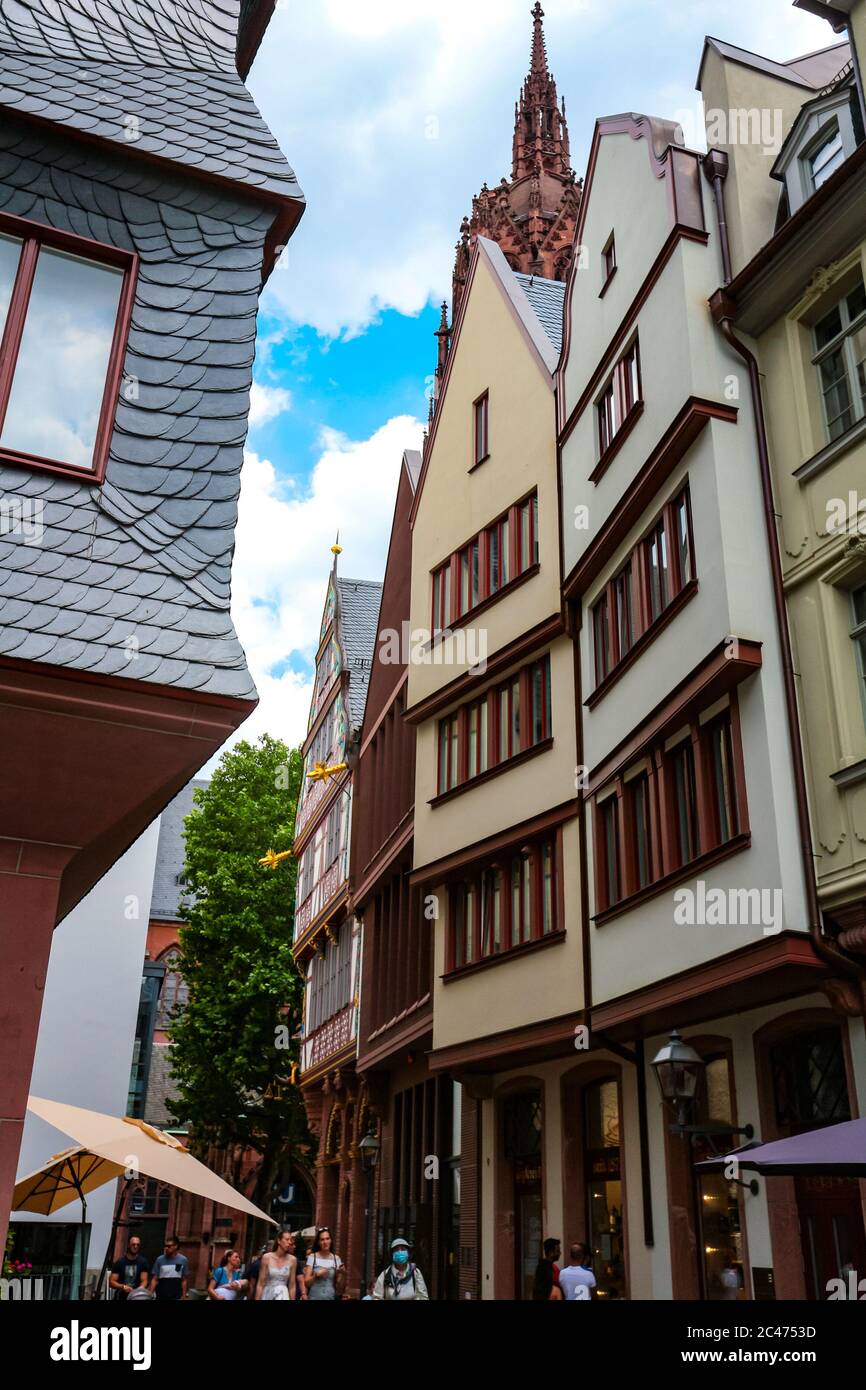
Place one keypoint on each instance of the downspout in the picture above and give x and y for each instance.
(723, 309)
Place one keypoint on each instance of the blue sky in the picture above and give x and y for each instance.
(393, 113)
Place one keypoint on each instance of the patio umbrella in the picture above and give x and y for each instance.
(131, 1146)
(65, 1178)
(836, 1151)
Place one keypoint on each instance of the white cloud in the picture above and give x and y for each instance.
(394, 114)
(267, 403)
(283, 556)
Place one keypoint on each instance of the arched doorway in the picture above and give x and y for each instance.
(593, 1172)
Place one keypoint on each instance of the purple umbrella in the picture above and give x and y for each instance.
(837, 1151)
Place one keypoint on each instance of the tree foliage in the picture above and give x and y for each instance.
(245, 993)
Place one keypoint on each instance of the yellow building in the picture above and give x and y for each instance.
(496, 830)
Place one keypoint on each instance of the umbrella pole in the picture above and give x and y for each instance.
(111, 1239)
(83, 1242)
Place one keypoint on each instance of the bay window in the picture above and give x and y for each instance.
(65, 307)
(658, 570)
(491, 730)
(681, 801)
(498, 907)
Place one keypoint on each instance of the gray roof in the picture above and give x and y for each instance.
(167, 66)
(414, 461)
(810, 71)
(547, 298)
(171, 855)
(359, 619)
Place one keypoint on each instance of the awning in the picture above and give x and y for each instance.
(836, 1151)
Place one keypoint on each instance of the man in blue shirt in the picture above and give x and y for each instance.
(169, 1276)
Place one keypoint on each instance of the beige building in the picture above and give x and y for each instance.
(496, 831)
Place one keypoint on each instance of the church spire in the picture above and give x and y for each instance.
(533, 217)
(539, 50)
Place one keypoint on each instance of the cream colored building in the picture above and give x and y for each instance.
(497, 849)
(699, 873)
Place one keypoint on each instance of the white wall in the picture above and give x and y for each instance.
(87, 1030)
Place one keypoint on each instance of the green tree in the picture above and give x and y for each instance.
(235, 1039)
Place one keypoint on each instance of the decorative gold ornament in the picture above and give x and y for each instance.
(273, 861)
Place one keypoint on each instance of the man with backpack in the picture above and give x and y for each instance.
(401, 1279)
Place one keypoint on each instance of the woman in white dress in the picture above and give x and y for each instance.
(277, 1277)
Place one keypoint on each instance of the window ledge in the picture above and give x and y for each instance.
(478, 463)
(617, 442)
(645, 640)
(526, 948)
(831, 452)
(668, 881)
(604, 289)
(850, 776)
(35, 463)
(491, 772)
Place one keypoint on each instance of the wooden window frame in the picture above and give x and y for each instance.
(480, 439)
(665, 863)
(617, 406)
(520, 931)
(34, 235)
(644, 623)
(446, 601)
(522, 681)
(608, 264)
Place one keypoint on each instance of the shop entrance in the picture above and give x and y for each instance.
(831, 1229)
(522, 1125)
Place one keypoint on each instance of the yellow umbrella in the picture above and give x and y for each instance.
(65, 1178)
(132, 1148)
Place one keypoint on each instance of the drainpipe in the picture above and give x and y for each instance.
(723, 309)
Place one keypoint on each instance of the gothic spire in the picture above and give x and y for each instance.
(539, 51)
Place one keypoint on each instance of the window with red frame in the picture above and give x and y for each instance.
(481, 435)
(65, 305)
(701, 813)
(501, 906)
(509, 719)
(485, 566)
(618, 398)
(608, 260)
(656, 571)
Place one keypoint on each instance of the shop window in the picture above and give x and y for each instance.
(810, 1088)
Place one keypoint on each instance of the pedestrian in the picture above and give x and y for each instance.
(371, 1292)
(544, 1287)
(576, 1281)
(226, 1285)
(402, 1279)
(552, 1252)
(169, 1277)
(278, 1276)
(324, 1274)
(254, 1270)
(129, 1272)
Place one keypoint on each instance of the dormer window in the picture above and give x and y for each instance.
(840, 343)
(65, 305)
(825, 160)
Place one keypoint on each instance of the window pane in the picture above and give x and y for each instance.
(525, 537)
(827, 159)
(482, 762)
(526, 872)
(473, 741)
(471, 907)
(515, 717)
(683, 541)
(446, 597)
(641, 831)
(452, 763)
(547, 889)
(504, 718)
(856, 302)
(464, 604)
(828, 328)
(611, 850)
(10, 255)
(494, 559)
(476, 573)
(686, 804)
(622, 593)
(515, 902)
(723, 781)
(535, 530)
(537, 703)
(62, 365)
(837, 397)
(506, 552)
(859, 597)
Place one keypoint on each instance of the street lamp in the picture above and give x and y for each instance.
(678, 1068)
(369, 1147)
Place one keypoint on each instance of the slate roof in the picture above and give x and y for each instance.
(359, 619)
(171, 855)
(547, 298)
(161, 70)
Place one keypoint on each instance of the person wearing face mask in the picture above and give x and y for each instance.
(401, 1279)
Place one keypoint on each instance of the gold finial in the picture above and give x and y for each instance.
(321, 773)
(337, 549)
(273, 861)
